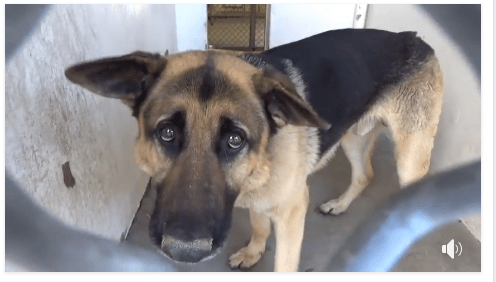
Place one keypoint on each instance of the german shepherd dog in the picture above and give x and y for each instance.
(218, 130)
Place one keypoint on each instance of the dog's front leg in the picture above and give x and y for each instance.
(260, 230)
(289, 225)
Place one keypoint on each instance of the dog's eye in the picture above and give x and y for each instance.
(235, 140)
(167, 134)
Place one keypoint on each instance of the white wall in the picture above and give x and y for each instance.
(50, 121)
(292, 22)
(191, 20)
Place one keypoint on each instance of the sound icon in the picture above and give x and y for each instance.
(451, 249)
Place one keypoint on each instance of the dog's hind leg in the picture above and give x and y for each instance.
(413, 118)
(411, 111)
(248, 256)
(358, 149)
(413, 152)
(413, 156)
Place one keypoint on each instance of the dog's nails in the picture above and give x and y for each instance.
(319, 211)
(235, 266)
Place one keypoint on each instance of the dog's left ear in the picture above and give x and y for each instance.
(282, 101)
(125, 77)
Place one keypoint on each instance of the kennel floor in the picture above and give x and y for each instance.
(324, 235)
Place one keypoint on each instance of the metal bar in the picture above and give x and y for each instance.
(253, 22)
(236, 48)
(360, 15)
(37, 242)
(209, 9)
(409, 215)
(267, 26)
(20, 19)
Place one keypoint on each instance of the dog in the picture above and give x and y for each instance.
(219, 130)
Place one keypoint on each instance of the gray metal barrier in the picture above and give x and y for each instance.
(36, 241)
(409, 215)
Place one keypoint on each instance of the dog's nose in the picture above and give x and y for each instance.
(192, 251)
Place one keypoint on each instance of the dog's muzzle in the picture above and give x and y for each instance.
(193, 251)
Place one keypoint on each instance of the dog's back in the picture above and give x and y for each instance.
(345, 71)
(357, 79)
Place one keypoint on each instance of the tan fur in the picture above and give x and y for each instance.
(147, 156)
(248, 256)
(271, 180)
(272, 183)
(179, 63)
(411, 111)
(264, 185)
(283, 198)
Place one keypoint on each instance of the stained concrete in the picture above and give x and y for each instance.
(50, 122)
(324, 235)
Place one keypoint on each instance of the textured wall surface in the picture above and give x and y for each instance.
(50, 121)
(458, 140)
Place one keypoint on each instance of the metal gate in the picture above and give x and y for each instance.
(239, 27)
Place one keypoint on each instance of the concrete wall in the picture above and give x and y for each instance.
(49, 121)
(191, 20)
(292, 22)
(459, 134)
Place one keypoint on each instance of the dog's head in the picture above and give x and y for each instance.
(205, 121)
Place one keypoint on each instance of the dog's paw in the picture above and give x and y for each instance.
(245, 258)
(333, 207)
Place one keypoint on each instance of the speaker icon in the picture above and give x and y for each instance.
(450, 249)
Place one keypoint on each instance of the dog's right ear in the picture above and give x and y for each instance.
(126, 77)
(282, 101)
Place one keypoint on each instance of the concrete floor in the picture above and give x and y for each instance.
(324, 235)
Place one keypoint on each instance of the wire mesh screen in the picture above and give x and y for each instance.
(236, 26)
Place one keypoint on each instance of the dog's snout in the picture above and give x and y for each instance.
(193, 251)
